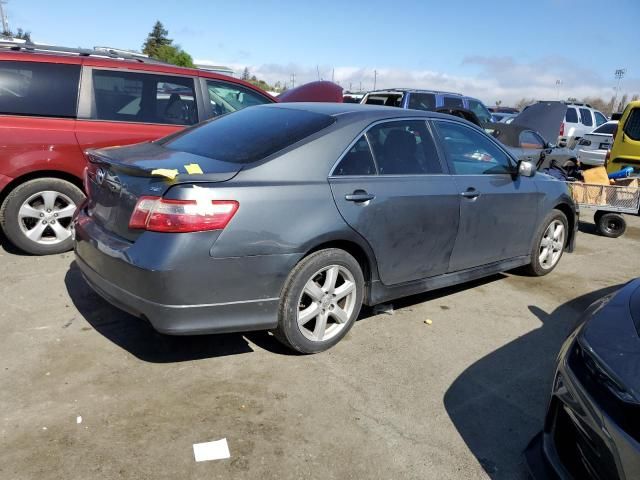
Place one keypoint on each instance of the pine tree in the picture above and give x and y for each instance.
(156, 39)
(245, 74)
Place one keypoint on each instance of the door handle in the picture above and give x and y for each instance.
(359, 196)
(471, 193)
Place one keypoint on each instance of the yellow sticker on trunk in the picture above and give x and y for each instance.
(165, 172)
(193, 169)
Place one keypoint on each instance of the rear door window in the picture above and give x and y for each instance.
(452, 102)
(585, 116)
(226, 97)
(632, 125)
(404, 148)
(357, 161)
(141, 97)
(248, 135)
(422, 101)
(571, 116)
(39, 89)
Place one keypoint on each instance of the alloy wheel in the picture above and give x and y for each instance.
(326, 303)
(45, 217)
(551, 245)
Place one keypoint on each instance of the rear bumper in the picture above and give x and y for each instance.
(186, 319)
(592, 157)
(173, 282)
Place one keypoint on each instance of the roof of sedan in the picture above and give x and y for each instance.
(355, 109)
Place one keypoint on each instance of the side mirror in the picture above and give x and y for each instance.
(526, 169)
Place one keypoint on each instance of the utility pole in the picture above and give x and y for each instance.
(558, 85)
(5, 22)
(293, 80)
(619, 76)
(375, 78)
(333, 74)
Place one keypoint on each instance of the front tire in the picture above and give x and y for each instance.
(320, 302)
(36, 216)
(550, 243)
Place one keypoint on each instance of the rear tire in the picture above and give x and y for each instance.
(320, 301)
(36, 215)
(610, 225)
(551, 240)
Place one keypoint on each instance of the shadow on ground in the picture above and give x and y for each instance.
(8, 247)
(498, 403)
(139, 338)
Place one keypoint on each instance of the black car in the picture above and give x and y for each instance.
(592, 427)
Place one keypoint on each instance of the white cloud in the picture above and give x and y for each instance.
(497, 78)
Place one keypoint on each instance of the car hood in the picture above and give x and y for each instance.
(544, 117)
(611, 332)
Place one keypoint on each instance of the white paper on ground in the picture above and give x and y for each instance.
(211, 450)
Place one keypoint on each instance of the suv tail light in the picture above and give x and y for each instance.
(158, 214)
(561, 133)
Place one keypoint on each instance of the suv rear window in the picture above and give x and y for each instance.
(585, 116)
(39, 89)
(571, 116)
(248, 135)
(452, 102)
(632, 125)
(388, 99)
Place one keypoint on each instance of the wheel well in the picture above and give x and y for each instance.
(353, 249)
(40, 174)
(571, 215)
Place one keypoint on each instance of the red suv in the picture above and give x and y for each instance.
(56, 102)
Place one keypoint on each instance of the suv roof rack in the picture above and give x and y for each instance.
(107, 52)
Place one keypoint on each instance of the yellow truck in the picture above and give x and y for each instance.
(625, 151)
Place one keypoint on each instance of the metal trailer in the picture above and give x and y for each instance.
(609, 201)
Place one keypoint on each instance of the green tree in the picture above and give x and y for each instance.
(245, 74)
(498, 103)
(156, 39)
(175, 55)
(22, 34)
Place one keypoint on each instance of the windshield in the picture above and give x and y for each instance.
(248, 135)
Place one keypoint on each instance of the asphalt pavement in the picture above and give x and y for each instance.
(87, 391)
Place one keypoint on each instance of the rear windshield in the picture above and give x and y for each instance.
(452, 102)
(607, 128)
(249, 135)
(41, 89)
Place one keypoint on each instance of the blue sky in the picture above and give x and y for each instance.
(501, 49)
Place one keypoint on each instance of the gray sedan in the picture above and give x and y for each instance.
(289, 217)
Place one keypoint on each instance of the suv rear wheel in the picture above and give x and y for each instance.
(36, 215)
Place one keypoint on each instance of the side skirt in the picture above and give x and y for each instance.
(378, 292)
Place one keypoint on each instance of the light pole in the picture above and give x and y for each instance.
(375, 78)
(558, 85)
(619, 75)
(5, 23)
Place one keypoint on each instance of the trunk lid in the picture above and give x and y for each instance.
(118, 177)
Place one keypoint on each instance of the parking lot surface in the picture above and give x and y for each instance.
(87, 391)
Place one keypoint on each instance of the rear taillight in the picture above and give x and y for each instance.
(561, 130)
(164, 215)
